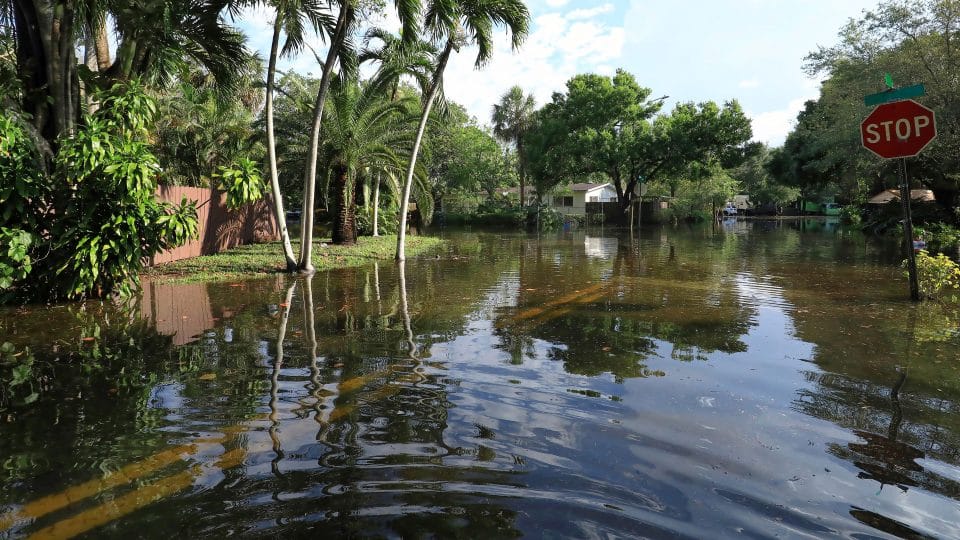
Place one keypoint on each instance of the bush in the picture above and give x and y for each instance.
(938, 275)
(104, 221)
(940, 237)
(387, 221)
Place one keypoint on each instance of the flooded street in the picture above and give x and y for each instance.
(758, 379)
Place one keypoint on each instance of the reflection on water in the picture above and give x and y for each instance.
(749, 378)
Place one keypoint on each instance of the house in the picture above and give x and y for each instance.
(893, 195)
(576, 203)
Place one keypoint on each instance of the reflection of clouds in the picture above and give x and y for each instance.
(600, 247)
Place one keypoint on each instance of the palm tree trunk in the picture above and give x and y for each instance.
(376, 206)
(306, 235)
(272, 152)
(102, 45)
(405, 198)
(345, 224)
(521, 172)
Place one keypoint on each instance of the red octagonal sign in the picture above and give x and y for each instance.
(899, 129)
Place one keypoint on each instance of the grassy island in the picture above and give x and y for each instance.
(259, 260)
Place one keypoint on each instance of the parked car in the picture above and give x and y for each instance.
(729, 209)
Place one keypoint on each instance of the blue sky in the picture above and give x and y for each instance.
(749, 50)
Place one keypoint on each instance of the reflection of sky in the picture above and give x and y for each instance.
(714, 446)
(600, 247)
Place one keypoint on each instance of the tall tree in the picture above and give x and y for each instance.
(156, 38)
(292, 18)
(341, 48)
(456, 23)
(398, 58)
(512, 118)
(363, 131)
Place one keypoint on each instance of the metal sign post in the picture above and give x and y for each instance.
(908, 231)
(897, 129)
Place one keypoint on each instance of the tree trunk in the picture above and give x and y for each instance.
(411, 167)
(376, 206)
(309, 188)
(272, 152)
(521, 172)
(102, 46)
(345, 224)
(90, 61)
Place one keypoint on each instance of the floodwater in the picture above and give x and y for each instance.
(754, 380)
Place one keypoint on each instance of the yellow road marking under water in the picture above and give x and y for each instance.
(531, 313)
(119, 507)
(52, 503)
(146, 495)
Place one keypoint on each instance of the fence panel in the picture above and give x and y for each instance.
(219, 229)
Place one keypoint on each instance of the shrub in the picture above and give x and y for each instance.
(938, 275)
(387, 221)
(103, 222)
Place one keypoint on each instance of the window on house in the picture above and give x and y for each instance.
(563, 201)
(594, 199)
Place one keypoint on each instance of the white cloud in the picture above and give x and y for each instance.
(557, 3)
(749, 83)
(772, 127)
(589, 13)
(558, 48)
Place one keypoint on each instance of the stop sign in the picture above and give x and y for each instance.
(898, 129)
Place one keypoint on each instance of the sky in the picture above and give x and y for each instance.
(689, 50)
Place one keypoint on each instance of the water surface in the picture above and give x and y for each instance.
(757, 379)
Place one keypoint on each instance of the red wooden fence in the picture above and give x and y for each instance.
(219, 229)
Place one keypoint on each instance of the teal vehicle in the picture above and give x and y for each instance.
(831, 209)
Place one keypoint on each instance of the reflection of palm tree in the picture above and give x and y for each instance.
(404, 310)
(275, 381)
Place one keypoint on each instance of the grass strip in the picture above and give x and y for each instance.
(260, 260)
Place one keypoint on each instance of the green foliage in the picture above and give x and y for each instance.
(940, 237)
(21, 169)
(606, 125)
(199, 130)
(103, 221)
(15, 262)
(18, 384)
(550, 219)
(387, 221)
(912, 40)
(242, 183)
(939, 276)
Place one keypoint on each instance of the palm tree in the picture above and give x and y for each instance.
(397, 58)
(292, 16)
(340, 49)
(455, 23)
(156, 39)
(362, 131)
(512, 118)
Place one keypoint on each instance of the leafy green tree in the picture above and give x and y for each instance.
(915, 41)
(340, 50)
(455, 23)
(512, 118)
(99, 229)
(758, 183)
(606, 125)
(155, 40)
(197, 130)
